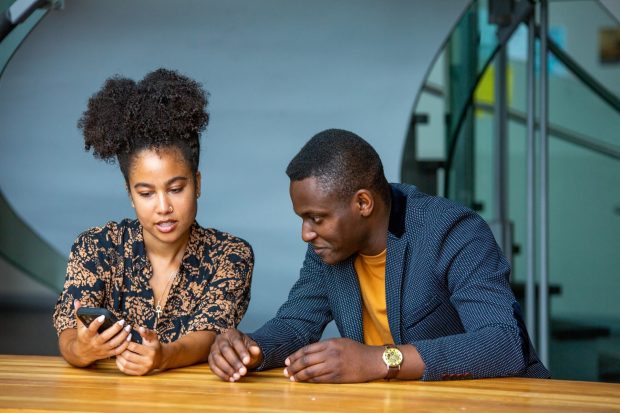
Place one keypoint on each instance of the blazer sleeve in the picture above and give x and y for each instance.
(471, 265)
(300, 320)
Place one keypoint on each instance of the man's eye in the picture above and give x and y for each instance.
(176, 190)
(145, 194)
(316, 220)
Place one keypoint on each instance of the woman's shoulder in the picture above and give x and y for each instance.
(111, 233)
(222, 241)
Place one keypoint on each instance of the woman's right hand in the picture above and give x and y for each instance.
(90, 346)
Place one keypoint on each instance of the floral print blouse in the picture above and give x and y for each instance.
(108, 267)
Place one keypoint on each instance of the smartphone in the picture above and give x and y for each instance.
(89, 314)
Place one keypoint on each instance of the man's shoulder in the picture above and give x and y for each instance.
(422, 212)
(417, 198)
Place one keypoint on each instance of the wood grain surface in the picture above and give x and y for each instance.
(45, 384)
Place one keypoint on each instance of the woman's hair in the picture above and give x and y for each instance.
(163, 110)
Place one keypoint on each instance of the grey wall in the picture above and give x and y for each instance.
(277, 71)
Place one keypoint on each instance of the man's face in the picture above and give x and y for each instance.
(332, 226)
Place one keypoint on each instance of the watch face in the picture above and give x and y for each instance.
(392, 357)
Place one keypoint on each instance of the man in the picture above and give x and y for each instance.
(416, 284)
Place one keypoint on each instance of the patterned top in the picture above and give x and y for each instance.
(108, 267)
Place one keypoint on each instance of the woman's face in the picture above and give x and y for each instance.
(163, 192)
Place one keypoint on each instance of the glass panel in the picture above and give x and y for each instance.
(19, 244)
(579, 28)
(584, 213)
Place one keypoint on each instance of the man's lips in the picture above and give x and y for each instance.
(166, 226)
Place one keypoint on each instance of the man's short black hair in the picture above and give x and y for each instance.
(342, 162)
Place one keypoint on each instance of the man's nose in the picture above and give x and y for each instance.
(307, 232)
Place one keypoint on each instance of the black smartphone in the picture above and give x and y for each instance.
(88, 314)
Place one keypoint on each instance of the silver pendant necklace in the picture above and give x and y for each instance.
(158, 308)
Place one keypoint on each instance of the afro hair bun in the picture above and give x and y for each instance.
(163, 109)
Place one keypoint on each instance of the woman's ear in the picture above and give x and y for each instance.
(198, 183)
(129, 195)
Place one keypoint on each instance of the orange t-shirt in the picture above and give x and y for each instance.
(371, 275)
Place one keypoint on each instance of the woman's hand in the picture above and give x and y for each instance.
(141, 359)
(89, 346)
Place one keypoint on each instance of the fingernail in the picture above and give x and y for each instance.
(128, 329)
(236, 376)
(285, 372)
(292, 378)
(129, 338)
(287, 362)
(232, 380)
(246, 360)
(101, 318)
(121, 323)
(242, 371)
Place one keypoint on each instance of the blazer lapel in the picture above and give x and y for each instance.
(396, 260)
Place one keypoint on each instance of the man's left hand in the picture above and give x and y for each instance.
(338, 360)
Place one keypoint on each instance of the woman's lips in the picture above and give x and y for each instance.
(166, 226)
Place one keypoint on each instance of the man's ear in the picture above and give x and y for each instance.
(364, 202)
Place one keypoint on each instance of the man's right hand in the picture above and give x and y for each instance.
(232, 354)
(90, 346)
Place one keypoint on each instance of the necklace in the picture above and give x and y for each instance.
(158, 309)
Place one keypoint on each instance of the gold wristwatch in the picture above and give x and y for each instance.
(393, 359)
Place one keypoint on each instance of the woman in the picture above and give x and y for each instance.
(163, 275)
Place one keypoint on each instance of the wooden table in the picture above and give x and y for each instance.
(37, 383)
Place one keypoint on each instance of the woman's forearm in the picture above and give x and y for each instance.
(66, 343)
(190, 349)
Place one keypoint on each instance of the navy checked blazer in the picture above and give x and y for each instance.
(447, 293)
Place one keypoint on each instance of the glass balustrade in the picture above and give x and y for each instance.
(20, 245)
(457, 131)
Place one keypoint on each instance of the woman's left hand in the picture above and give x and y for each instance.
(141, 359)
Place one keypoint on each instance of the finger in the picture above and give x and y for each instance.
(311, 372)
(304, 362)
(309, 349)
(232, 356)
(112, 331)
(94, 325)
(128, 367)
(149, 337)
(324, 378)
(217, 370)
(131, 356)
(119, 339)
(120, 349)
(77, 304)
(242, 345)
(218, 362)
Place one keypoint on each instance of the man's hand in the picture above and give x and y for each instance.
(339, 360)
(141, 359)
(90, 346)
(232, 354)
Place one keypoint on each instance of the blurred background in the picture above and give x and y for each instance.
(439, 88)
